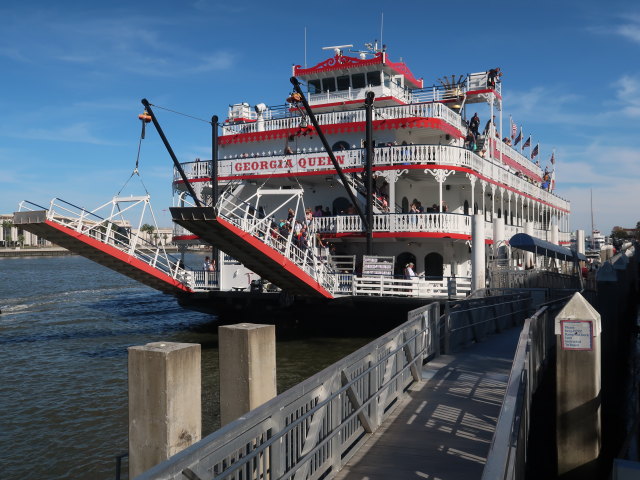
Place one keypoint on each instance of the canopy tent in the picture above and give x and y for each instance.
(535, 245)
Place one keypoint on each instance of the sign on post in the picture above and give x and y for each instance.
(576, 334)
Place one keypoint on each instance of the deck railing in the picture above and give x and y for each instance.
(383, 156)
(424, 110)
(314, 428)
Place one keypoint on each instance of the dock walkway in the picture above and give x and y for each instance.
(443, 428)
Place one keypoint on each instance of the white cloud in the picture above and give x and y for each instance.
(77, 132)
(628, 95)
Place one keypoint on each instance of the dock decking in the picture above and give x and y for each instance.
(443, 428)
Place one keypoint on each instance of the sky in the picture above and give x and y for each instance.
(73, 74)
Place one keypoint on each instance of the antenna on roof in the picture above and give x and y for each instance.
(381, 26)
(337, 48)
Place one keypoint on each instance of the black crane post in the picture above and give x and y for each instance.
(176, 163)
(214, 177)
(336, 165)
(214, 160)
(368, 105)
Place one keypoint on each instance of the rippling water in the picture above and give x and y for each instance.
(65, 327)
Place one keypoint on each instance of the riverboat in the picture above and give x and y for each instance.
(426, 183)
(364, 185)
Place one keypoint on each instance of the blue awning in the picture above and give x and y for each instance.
(535, 245)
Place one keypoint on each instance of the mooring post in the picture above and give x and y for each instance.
(247, 368)
(164, 402)
(578, 388)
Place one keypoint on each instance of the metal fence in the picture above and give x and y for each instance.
(471, 320)
(311, 430)
(507, 456)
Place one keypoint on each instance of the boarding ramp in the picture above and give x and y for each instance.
(104, 236)
(243, 230)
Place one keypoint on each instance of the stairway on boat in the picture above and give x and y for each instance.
(235, 227)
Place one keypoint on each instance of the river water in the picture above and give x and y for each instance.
(65, 326)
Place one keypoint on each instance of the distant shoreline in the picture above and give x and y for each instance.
(53, 251)
(34, 252)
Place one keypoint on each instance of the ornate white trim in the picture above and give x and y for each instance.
(440, 174)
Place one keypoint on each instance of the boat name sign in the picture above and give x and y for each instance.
(296, 163)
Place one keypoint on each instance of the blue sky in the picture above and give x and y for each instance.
(73, 74)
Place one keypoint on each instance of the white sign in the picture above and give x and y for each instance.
(577, 334)
(299, 163)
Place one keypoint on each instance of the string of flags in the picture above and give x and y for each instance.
(517, 138)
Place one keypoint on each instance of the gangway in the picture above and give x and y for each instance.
(106, 240)
(244, 231)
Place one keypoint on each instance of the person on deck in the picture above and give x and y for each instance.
(409, 273)
(493, 76)
(474, 125)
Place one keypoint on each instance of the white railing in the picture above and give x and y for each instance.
(205, 280)
(388, 156)
(516, 156)
(416, 287)
(393, 90)
(424, 110)
(242, 214)
(108, 225)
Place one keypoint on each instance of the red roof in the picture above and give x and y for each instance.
(342, 62)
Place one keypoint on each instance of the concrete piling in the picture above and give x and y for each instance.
(578, 388)
(247, 368)
(164, 402)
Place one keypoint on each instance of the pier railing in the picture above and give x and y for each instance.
(507, 456)
(313, 429)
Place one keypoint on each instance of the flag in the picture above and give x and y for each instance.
(553, 158)
(527, 142)
(534, 152)
(514, 130)
(518, 138)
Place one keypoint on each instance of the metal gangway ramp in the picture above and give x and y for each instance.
(237, 228)
(106, 240)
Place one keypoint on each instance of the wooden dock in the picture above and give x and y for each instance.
(443, 428)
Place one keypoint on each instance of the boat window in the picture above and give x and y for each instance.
(343, 82)
(357, 80)
(329, 84)
(387, 79)
(373, 79)
(339, 146)
(314, 86)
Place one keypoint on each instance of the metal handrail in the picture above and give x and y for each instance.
(347, 399)
(239, 212)
(107, 231)
(537, 338)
